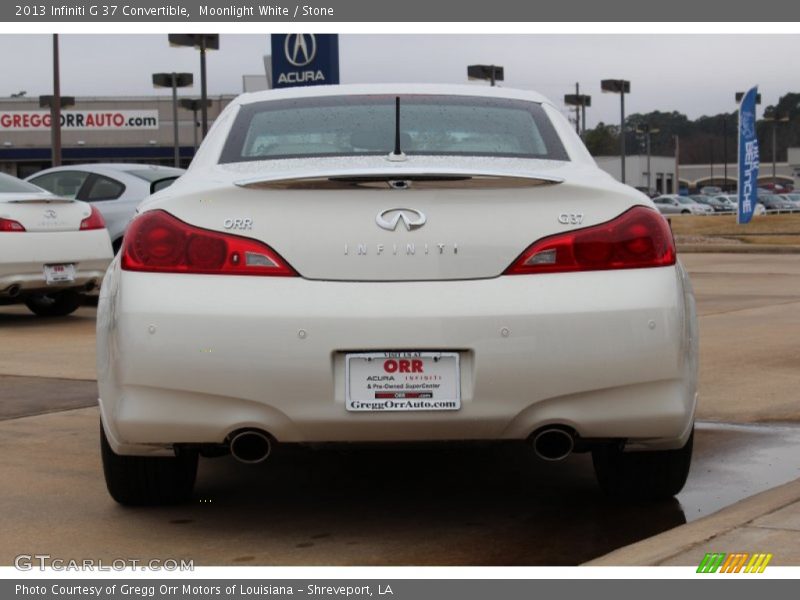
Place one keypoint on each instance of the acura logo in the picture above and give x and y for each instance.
(411, 218)
(300, 48)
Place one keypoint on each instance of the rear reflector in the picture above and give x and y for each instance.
(638, 238)
(93, 221)
(159, 242)
(9, 225)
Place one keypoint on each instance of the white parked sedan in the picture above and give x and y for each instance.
(51, 248)
(673, 204)
(385, 263)
(116, 189)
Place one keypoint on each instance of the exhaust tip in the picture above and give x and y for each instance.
(250, 446)
(553, 444)
(14, 290)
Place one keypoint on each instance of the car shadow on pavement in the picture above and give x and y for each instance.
(412, 504)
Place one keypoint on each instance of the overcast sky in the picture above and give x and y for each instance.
(693, 74)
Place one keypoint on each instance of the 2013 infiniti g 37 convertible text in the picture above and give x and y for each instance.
(395, 263)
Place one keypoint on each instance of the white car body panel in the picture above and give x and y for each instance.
(117, 212)
(188, 359)
(52, 236)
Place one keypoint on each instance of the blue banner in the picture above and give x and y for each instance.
(748, 157)
(304, 59)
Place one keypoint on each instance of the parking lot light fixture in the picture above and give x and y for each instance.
(580, 102)
(646, 130)
(194, 104)
(775, 119)
(490, 73)
(621, 87)
(203, 42)
(174, 80)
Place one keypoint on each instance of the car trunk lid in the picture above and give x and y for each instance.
(42, 212)
(399, 223)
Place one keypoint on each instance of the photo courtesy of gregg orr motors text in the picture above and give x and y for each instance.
(186, 589)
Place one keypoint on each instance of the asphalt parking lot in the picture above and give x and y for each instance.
(416, 505)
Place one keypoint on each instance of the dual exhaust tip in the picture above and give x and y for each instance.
(251, 446)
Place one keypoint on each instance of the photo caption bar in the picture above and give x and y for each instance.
(337, 11)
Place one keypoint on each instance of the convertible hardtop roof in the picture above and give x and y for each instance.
(391, 88)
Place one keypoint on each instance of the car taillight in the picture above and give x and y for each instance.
(93, 221)
(9, 225)
(638, 238)
(158, 242)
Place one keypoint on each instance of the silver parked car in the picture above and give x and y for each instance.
(672, 204)
(732, 201)
(115, 189)
(792, 197)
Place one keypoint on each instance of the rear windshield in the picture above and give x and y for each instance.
(363, 125)
(12, 185)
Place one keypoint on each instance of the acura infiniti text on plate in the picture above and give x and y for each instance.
(395, 263)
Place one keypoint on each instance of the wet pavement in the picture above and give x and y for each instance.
(367, 505)
(401, 504)
(26, 396)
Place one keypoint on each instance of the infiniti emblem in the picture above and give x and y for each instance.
(300, 48)
(50, 213)
(411, 218)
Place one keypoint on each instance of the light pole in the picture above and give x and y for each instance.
(193, 104)
(55, 103)
(775, 119)
(725, 152)
(678, 164)
(174, 80)
(580, 102)
(647, 130)
(621, 87)
(491, 73)
(55, 106)
(203, 42)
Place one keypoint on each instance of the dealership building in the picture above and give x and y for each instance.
(662, 171)
(664, 174)
(99, 129)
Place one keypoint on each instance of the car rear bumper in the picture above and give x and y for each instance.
(23, 256)
(189, 359)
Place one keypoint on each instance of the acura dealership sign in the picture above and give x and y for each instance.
(84, 120)
(304, 59)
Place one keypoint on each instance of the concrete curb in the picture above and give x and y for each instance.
(737, 249)
(660, 548)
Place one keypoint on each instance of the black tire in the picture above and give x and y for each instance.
(148, 480)
(647, 475)
(686, 212)
(57, 304)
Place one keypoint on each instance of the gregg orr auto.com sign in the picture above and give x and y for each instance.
(84, 120)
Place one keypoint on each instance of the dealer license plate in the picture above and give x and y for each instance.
(59, 273)
(402, 381)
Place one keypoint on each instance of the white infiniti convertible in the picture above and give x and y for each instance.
(51, 249)
(383, 263)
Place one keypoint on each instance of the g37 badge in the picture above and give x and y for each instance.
(570, 218)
